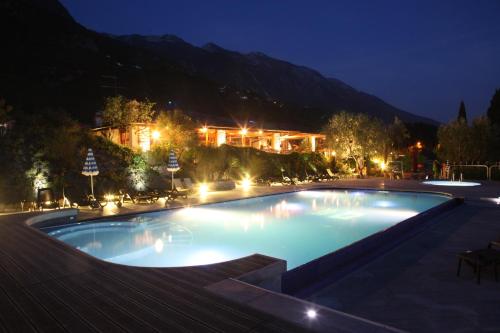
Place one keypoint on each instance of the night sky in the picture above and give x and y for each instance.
(421, 56)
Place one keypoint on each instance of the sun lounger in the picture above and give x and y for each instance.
(188, 184)
(46, 199)
(142, 196)
(331, 175)
(480, 259)
(180, 189)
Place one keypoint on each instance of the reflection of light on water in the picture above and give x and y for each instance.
(314, 205)
(346, 215)
(204, 257)
(208, 214)
(376, 214)
(384, 203)
(159, 246)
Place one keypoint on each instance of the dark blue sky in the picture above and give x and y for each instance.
(421, 56)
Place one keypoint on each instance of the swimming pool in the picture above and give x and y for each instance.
(297, 227)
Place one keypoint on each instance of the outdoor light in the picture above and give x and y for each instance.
(260, 132)
(204, 129)
(203, 189)
(311, 314)
(246, 183)
(244, 131)
(155, 135)
(382, 166)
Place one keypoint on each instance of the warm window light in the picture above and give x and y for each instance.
(311, 314)
(155, 135)
(244, 131)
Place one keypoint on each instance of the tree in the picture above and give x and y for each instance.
(481, 139)
(177, 131)
(120, 112)
(462, 115)
(397, 136)
(494, 109)
(5, 111)
(354, 136)
(453, 141)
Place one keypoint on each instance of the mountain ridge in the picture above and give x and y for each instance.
(60, 64)
(245, 70)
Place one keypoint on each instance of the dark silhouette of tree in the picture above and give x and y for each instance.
(494, 109)
(462, 115)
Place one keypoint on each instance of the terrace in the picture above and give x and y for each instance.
(52, 286)
(143, 137)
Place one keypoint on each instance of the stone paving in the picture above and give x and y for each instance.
(414, 287)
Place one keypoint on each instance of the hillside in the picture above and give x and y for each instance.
(54, 62)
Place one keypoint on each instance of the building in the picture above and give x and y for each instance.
(142, 137)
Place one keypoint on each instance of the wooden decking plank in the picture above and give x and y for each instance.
(31, 309)
(82, 305)
(76, 258)
(202, 300)
(11, 318)
(64, 313)
(47, 266)
(107, 304)
(188, 301)
(160, 316)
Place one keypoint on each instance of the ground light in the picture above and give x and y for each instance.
(246, 183)
(311, 313)
(203, 189)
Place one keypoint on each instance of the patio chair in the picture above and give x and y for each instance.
(494, 243)
(188, 184)
(179, 188)
(141, 196)
(480, 259)
(46, 199)
(331, 175)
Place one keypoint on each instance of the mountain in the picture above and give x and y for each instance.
(52, 62)
(272, 78)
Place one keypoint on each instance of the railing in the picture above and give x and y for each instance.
(488, 175)
(497, 165)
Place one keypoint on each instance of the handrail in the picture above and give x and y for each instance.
(491, 168)
(488, 175)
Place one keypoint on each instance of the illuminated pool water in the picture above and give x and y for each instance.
(297, 227)
(450, 183)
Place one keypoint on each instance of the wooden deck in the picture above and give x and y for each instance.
(47, 286)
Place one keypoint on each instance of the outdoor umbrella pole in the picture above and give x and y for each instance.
(90, 169)
(172, 165)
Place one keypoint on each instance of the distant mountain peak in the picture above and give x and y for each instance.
(212, 47)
